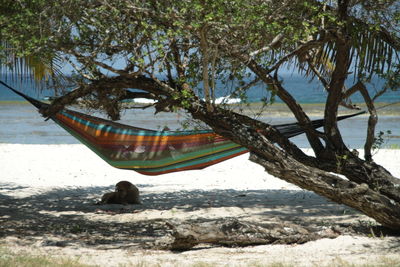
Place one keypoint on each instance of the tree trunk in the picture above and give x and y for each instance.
(359, 192)
(370, 188)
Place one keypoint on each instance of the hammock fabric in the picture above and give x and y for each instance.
(153, 152)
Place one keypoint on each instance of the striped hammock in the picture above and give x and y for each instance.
(153, 152)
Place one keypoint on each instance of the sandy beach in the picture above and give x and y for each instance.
(47, 207)
(159, 86)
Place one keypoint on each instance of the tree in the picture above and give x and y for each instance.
(176, 52)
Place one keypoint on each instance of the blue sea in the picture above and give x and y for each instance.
(20, 123)
(303, 90)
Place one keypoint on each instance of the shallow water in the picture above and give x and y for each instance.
(20, 123)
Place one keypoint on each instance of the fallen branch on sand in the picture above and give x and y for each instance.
(233, 233)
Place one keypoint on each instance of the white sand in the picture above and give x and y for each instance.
(48, 189)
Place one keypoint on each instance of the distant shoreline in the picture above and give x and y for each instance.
(22, 124)
(280, 109)
(317, 109)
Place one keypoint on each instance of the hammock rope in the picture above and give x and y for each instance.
(153, 152)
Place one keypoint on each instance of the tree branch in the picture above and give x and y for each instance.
(205, 62)
(121, 82)
(300, 50)
(346, 101)
(274, 83)
(372, 121)
(336, 85)
(270, 46)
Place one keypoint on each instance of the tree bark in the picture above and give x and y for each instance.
(382, 205)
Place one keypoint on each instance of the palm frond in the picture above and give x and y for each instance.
(372, 50)
(32, 67)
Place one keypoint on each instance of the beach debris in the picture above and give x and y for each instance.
(54, 243)
(232, 233)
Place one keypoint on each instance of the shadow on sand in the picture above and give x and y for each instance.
(68, 217)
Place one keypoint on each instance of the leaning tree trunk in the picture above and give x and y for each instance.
(370, 188)
(359, 192)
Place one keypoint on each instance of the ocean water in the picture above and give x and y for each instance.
(303, 90)
(21, 123)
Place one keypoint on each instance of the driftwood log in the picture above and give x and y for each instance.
(232, 232)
